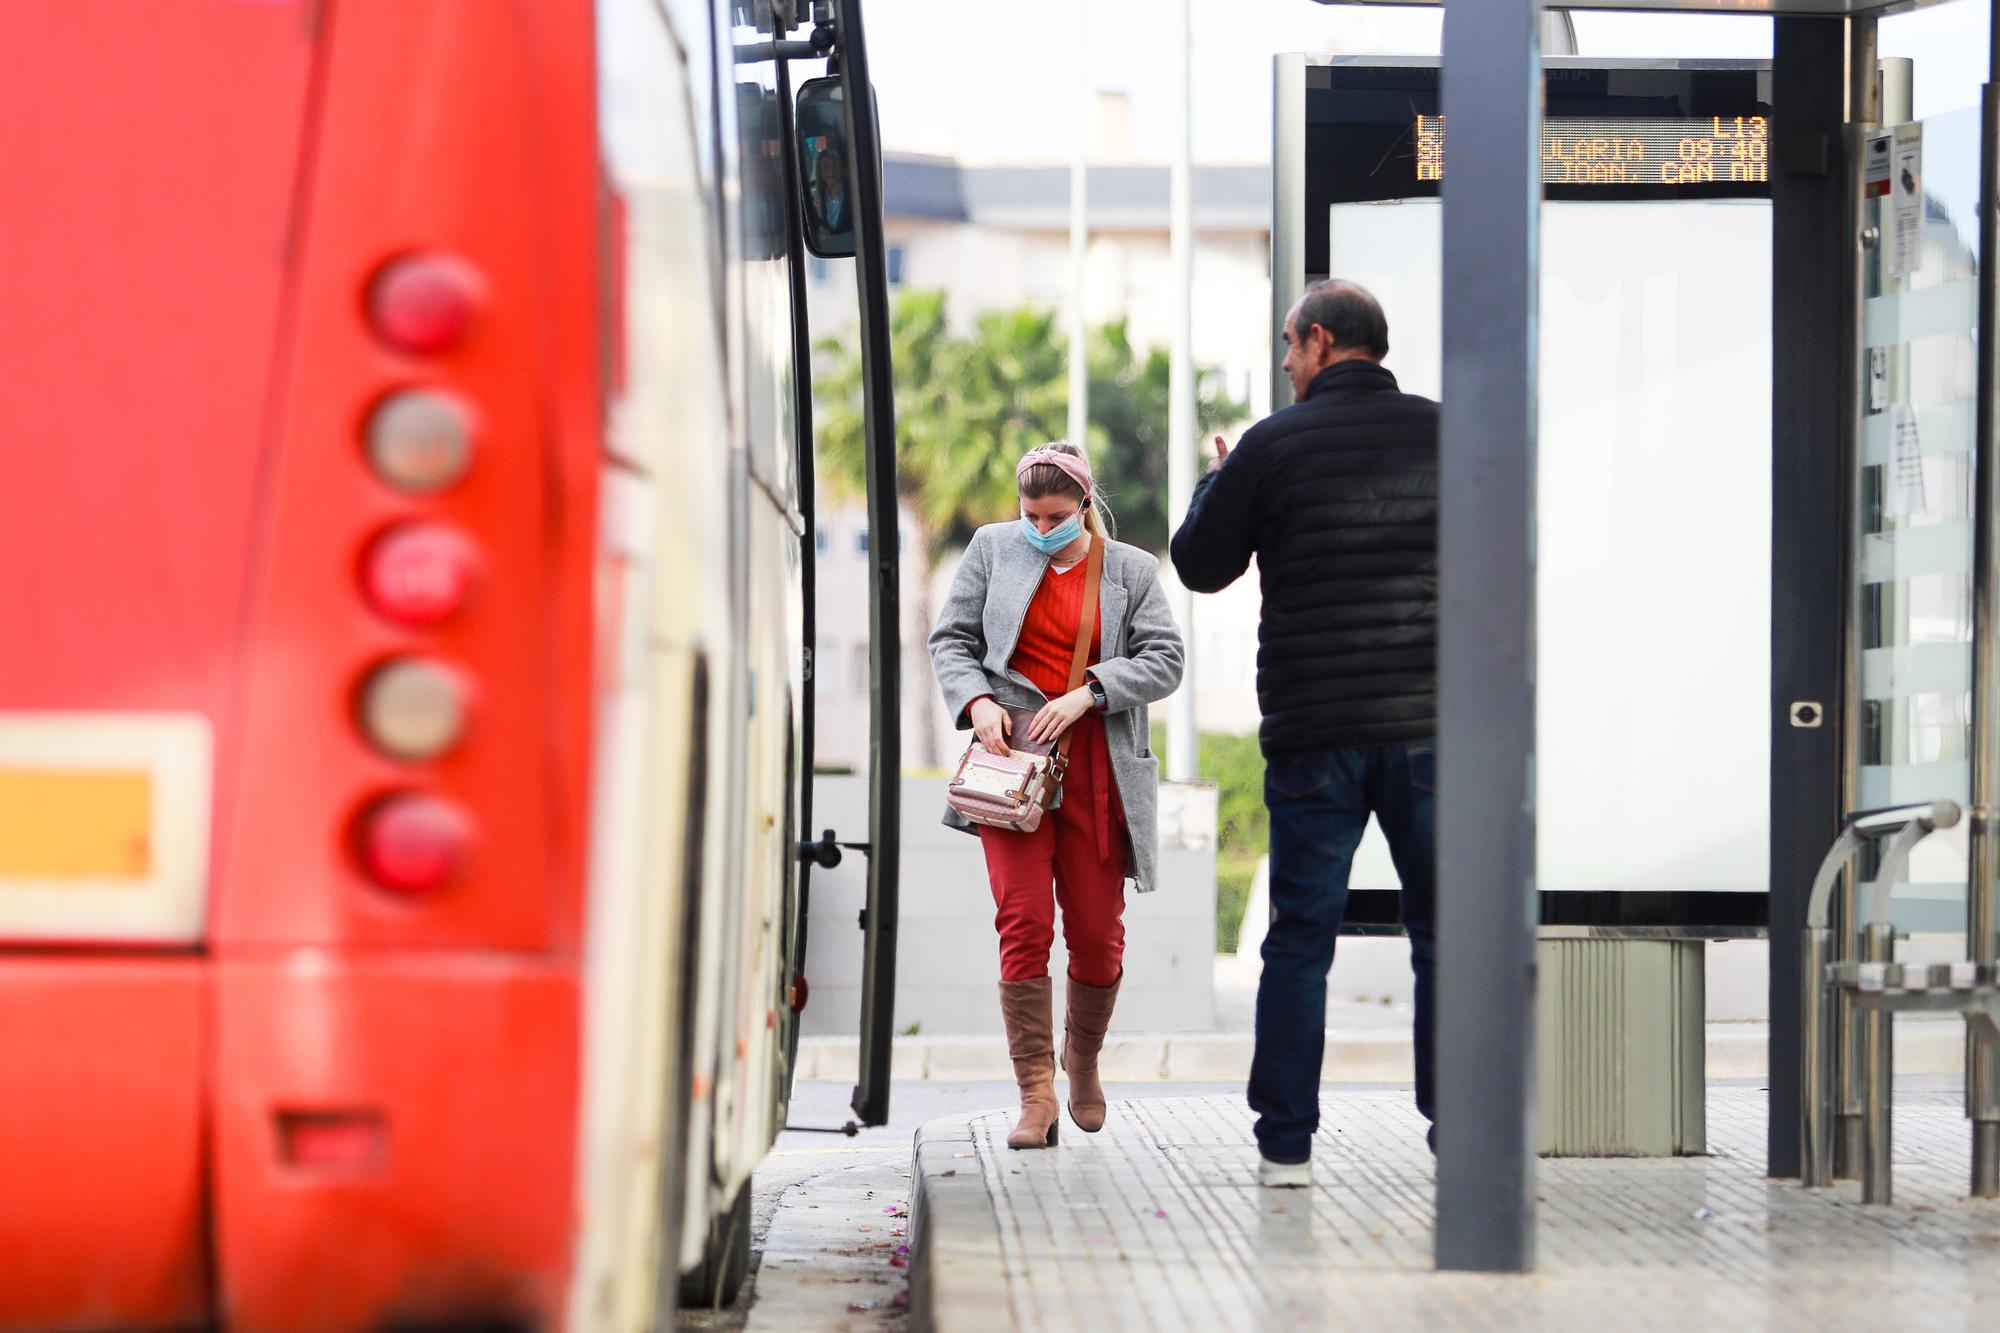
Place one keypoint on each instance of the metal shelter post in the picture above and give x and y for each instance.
(1492, 99)
(1982, 1079)
(1852, 1040)
(1810, 628)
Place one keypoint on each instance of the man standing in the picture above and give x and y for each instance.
(1337, 498)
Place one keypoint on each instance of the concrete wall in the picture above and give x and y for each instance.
(948, 958)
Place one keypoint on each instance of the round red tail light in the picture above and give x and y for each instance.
(423, 303)
(419, 574)
(415, 843)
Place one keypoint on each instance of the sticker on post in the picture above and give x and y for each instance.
(1906, 463)
(1906, 200)
(1875, 168)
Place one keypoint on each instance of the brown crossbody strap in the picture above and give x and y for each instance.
(1093, 574)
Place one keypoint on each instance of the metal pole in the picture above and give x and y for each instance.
(1982, 1075)
(1486, 684)
(1288, 208)
(1863, 114)
(1816, 1099)
(1079, 242)
(1878, 1075)
(1181, 442)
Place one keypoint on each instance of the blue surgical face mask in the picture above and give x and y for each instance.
(1062, 535)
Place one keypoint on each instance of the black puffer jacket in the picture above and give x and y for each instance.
(1337, 497)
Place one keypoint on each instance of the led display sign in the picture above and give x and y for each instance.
(1638, 151)
(1373, 132)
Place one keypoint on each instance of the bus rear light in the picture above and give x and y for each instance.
(420, 440)
(415, 843)
(419, 574)
(423, 304)
(413, 709)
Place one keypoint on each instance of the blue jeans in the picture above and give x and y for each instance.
(1320, 801)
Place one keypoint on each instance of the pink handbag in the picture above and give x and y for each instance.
(1013, 791)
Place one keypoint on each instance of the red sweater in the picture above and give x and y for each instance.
(1048, 635)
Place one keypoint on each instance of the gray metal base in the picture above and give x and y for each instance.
(1620, 1027)
(1849, 1147)
(1986, 1159)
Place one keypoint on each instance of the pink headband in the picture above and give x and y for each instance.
(1071, 466)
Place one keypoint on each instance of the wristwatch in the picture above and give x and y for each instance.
(1097, 695)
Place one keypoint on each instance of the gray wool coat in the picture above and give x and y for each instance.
(1141, 661)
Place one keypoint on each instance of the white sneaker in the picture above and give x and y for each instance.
(1284, 1175)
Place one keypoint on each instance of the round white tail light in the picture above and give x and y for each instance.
(420, 440)
(413, 709)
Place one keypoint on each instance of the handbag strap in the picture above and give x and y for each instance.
(1093, 574)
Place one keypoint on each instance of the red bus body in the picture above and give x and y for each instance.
(315, 1104)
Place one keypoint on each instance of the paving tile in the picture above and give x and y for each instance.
(1156, 1224)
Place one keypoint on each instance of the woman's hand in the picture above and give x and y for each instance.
(1058, 714)
(992, 724)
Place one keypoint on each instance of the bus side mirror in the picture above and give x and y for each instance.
(826, 169)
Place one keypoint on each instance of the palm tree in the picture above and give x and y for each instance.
(1128, 431)
(967, 408)
(964, 408)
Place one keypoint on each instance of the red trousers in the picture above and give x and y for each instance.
(1079, 857)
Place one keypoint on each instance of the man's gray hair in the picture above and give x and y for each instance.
(1349, 314)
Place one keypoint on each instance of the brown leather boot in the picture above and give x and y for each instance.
(1083, 1037)
(1025, 1008)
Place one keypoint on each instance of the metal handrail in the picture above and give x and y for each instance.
(1865, 826)
(1906, 825)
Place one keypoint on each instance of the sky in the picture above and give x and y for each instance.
(953, 78)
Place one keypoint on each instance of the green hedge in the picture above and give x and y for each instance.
(1243, 826)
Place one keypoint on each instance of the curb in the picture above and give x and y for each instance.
(1188, 1057)
(1733, 1050)
(954, 1232)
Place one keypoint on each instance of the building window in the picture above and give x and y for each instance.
(861, 541)
(818, 269)
(894, 263)
(819, 540)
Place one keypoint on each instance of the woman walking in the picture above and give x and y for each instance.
(1007, 639)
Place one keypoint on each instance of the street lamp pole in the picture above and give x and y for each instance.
(1181, 442)
(1079, 241)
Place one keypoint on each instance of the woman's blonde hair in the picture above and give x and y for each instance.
(1046, 479)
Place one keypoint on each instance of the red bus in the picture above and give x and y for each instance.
(405, 705)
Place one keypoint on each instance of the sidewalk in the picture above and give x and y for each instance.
(1156, 1224)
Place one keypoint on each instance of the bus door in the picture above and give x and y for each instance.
(835, 135)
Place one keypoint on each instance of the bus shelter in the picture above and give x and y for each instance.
(1881, 565)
